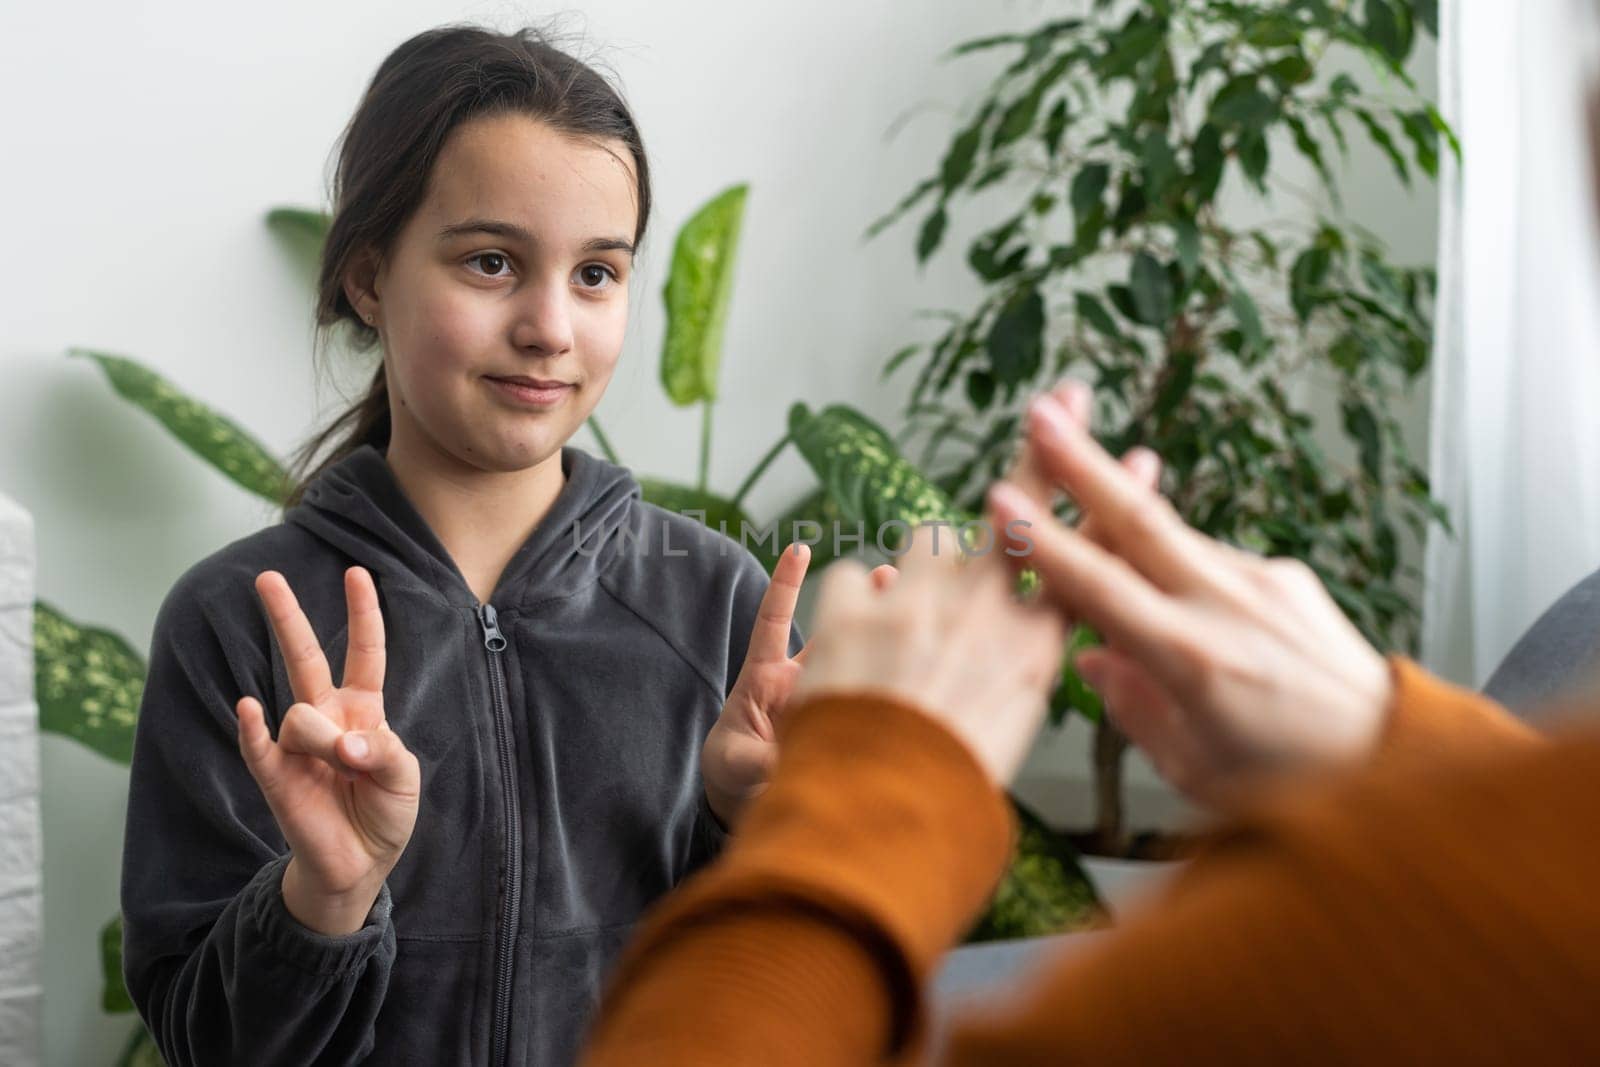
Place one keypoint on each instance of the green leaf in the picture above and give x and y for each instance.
(1389, 27)
(697, 296)
(863, 472)
(932, 233)
(1427, 13)
(114, 997)
(980, 389)
(213, 437)
(1089, 190)
(1209, 162)
(88, 683)
(1424, 136)
(911, 200)
(1045, 890)
(1272, 32)
(304, 230)
(1073, 694)
(1312, 151)
(1094, 313)
(1188, 235)
(1290, 71)
(1151, 285)
(1018, 119)
(1385, 143)
(1016, 340)
(1362, 426)
(1249, 319)
(899, 358)
(1240, 103)
(1160, 164)
(963, 153)
(1055, 127)
(1129, 46)
(1255, 157)
(1306, 277)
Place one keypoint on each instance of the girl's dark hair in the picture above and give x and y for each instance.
(424, 90)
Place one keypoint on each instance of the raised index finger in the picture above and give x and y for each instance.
(364, 653)
(309, 676)
(769, 640)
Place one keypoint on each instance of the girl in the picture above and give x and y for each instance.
(433, 858)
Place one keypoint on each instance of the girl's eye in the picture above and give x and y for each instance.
(595, 275)
(491, 263)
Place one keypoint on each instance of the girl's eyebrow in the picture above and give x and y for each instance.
(500, 228)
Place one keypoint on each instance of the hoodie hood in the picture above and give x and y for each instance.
(357, 507)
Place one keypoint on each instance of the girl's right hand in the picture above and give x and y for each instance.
(341, 784)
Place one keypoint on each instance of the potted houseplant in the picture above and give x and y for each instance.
(1116, 141)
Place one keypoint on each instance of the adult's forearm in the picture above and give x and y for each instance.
(871, 852)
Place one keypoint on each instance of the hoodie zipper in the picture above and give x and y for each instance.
(511, 903)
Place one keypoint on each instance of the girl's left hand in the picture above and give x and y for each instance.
(742, 748)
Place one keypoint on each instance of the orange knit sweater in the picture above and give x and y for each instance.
(1440, 905)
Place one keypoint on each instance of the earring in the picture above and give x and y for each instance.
(369, 318)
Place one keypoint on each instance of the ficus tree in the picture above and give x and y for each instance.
(1155, 189)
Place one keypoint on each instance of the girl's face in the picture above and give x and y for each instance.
(503, 301)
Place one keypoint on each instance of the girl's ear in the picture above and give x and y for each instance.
(361, 284)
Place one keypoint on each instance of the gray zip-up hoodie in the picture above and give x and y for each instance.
(558, 727)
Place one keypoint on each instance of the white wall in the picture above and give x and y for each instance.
(144, 143)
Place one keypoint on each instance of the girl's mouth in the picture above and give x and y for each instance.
(531, 392)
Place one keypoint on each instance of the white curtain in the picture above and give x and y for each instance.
(1516, 405)
(20, 929)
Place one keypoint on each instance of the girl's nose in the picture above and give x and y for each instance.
(544, 320)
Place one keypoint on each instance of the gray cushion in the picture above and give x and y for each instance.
(1560, 650)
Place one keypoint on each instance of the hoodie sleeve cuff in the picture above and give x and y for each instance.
(710, 836)
(268, 917)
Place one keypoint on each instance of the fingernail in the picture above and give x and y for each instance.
(1144, 461)
(357, 746)
(1007, 497)
(1048, 418)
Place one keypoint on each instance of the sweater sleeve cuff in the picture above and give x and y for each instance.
(1430, 718)
(315, 953)
(878, 817)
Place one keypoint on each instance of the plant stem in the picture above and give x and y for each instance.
(760, 469)
(605, 442)
(705, 444)
(1109, 747)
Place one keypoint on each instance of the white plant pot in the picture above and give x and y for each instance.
(1122, 884)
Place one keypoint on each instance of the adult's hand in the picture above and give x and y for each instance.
(343, 786)
(948, 636)
(1223, 666)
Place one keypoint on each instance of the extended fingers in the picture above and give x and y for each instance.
(1138, 523)
(1087, 582)
(309, 676)
(365, 653)
(1025, 471)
